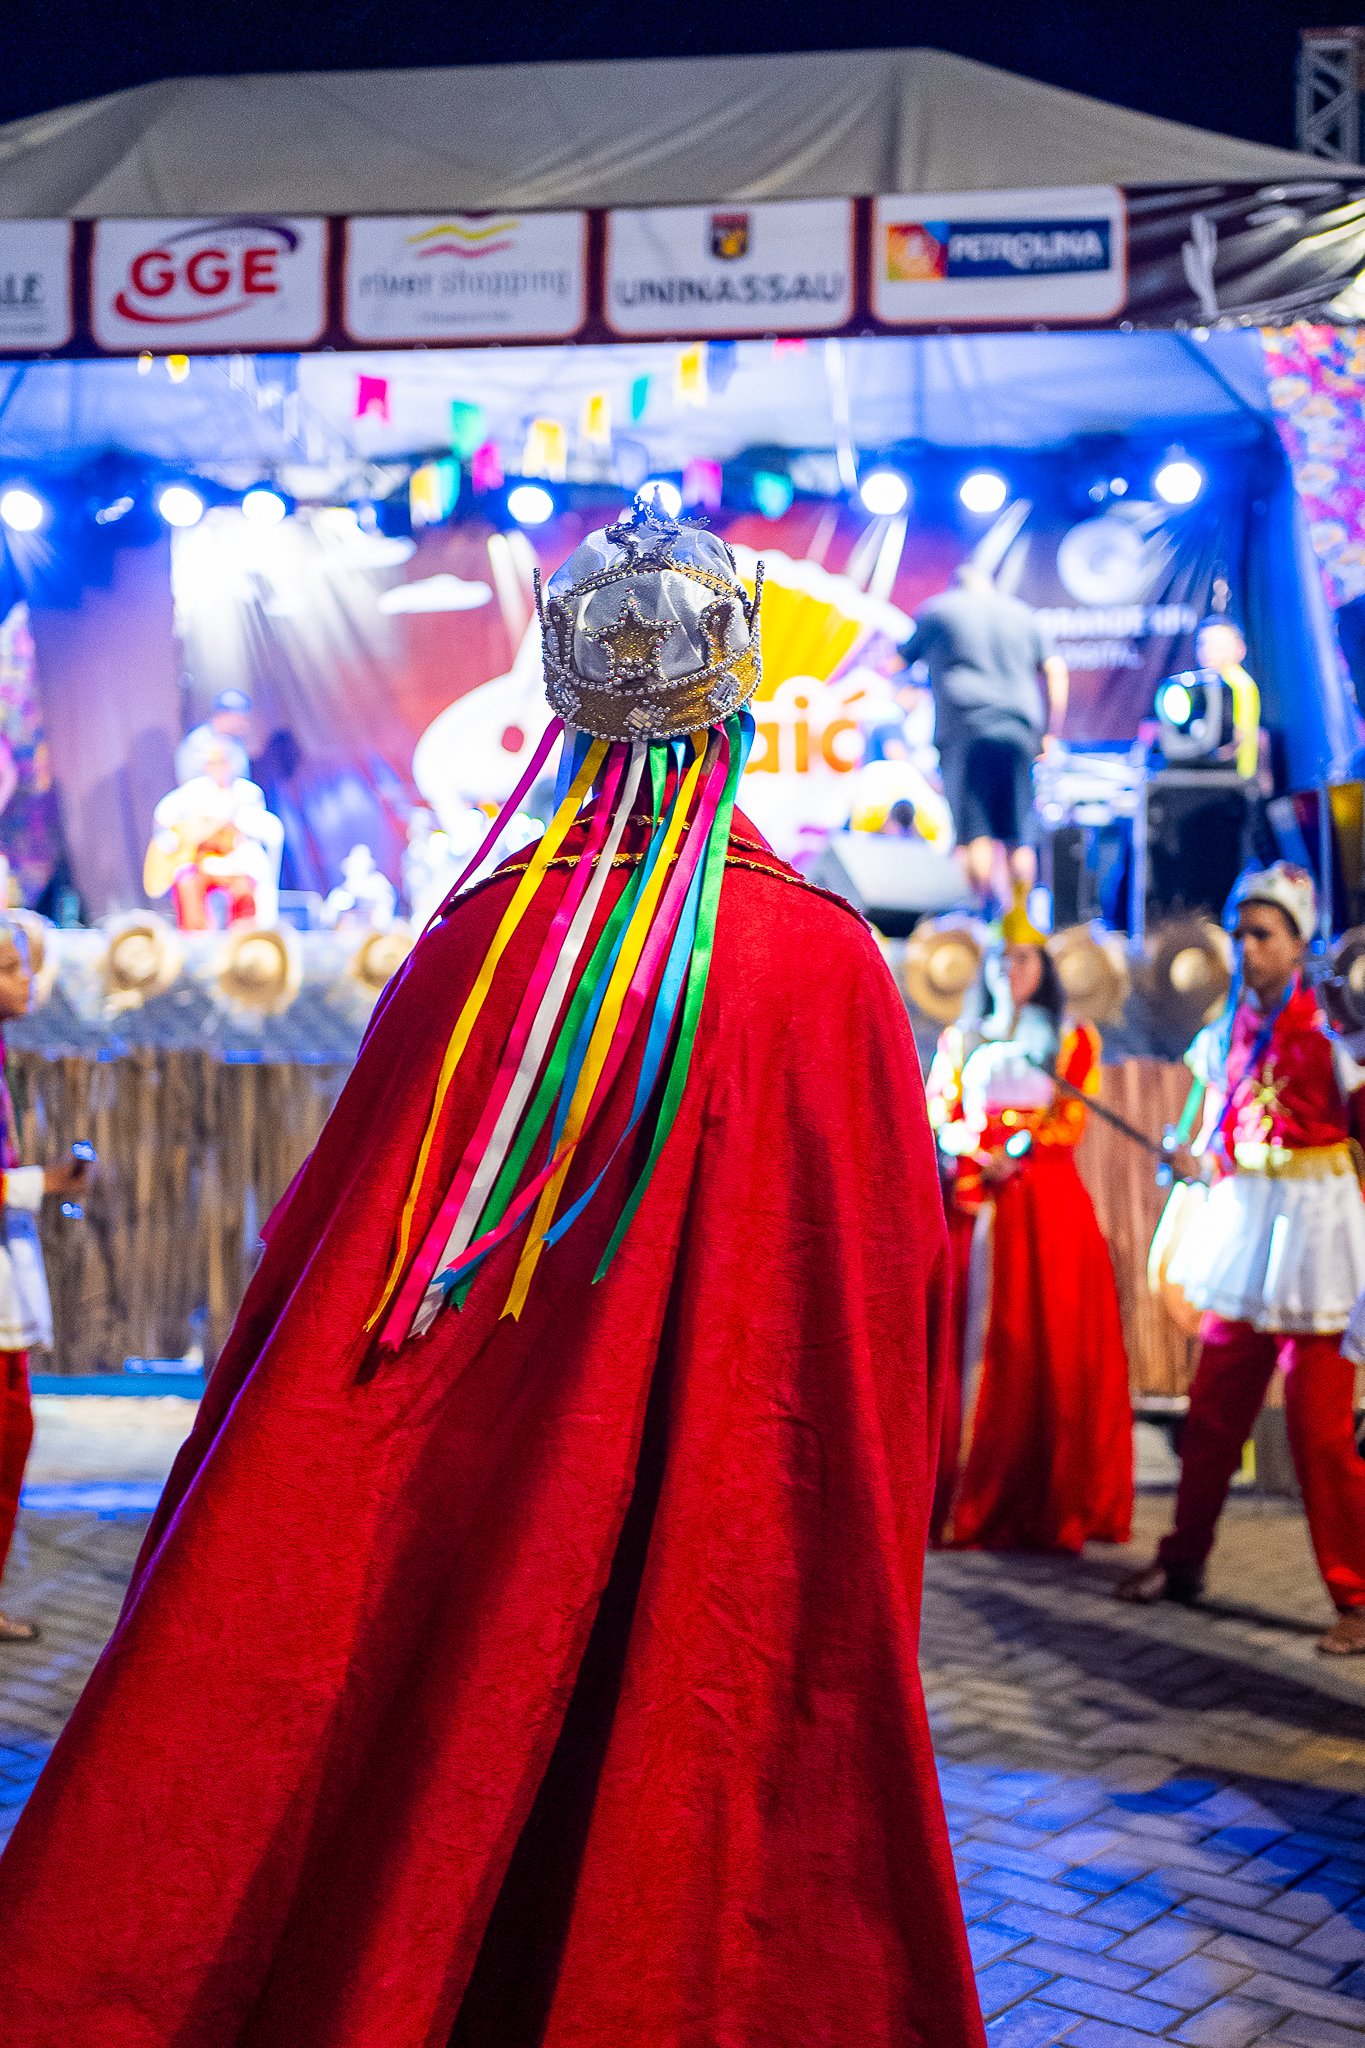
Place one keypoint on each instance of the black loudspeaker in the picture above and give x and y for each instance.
(894, 882)
(1197, 829)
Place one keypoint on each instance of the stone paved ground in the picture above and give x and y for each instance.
(1159, 1816)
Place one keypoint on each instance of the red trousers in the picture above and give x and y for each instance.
(16, 1438)
(1230, 1382)
(193, 892)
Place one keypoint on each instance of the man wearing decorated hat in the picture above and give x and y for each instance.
(524, 1652)
(1275, 1258)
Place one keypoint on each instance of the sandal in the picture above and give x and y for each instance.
(1347, 1637)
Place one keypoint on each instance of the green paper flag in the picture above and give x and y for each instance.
(468, 428)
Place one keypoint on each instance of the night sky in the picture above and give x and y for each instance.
(1220, 66)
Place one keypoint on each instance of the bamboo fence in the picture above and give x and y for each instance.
(196, 1150)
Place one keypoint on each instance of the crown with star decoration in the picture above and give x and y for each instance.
(649, 632)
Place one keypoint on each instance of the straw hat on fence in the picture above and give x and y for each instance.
(942, 960)
(260, 969)
(143, 958)
(1093, 973)
(379, 956)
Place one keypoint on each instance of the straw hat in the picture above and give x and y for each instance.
(144, 956)
(942, 960)
(1187, 972)
(1343, 987)
(1093, 973)
(42, 954)
(379, 956)
(260, 969)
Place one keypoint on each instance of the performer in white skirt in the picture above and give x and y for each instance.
(1275, 1259)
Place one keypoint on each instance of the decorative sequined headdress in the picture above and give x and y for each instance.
(651, 653)
(649, 633)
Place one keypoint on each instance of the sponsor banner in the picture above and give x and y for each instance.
(35, 284)
(466, 277)
(785, 267)
(241, 281)
(982, 258)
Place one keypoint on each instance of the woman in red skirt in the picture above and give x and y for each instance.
(1037, 1448)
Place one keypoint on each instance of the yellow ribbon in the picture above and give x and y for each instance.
(632, 945)
(474, 1001)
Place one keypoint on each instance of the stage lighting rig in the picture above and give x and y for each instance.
(1195, 723)
(264, 506)
(666, 495)
(983, 491)
(1178, 481)
(179, 505)
(22, 510)
(885, 493)
(530, 504)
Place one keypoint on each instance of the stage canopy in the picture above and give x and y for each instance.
(659, 132)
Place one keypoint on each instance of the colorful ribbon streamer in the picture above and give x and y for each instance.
(649, 966)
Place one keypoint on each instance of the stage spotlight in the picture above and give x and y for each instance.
(1179, 481)
(1175, 705)
(179, 505)
(530, 504)
(264, 506)
(884, 493)
(983, 491)
(1196, 725)
(659, 491)
(23, 511)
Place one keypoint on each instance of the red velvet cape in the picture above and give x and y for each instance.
(554, 1681)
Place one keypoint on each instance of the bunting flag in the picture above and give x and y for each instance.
(595, 421)
(689, 376)
(432, 492)
(546, 452)
(641, 985)
(468, 428)
(372, 397)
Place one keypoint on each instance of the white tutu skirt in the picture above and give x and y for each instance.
(1282, 1254)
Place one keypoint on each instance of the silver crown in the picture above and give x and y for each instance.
(649, 632)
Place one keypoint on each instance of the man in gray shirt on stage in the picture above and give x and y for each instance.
(998, 691)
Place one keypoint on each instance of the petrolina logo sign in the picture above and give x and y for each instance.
(982, 257)
(923, 250)
(244, 281)
(465, 277)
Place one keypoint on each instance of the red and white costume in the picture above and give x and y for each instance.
(1037, 1449)
(1276, 1261)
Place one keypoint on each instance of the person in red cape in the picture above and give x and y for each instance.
(1038, 1433)
(524, 1657)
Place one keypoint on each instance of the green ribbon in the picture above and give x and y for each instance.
(740, 733)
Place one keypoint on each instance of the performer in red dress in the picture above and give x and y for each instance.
(1275, 1259)
(515, 1659)
(1038, 1442)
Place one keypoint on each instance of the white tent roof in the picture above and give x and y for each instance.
(595, 134)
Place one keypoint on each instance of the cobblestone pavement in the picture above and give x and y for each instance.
(1159, 1815)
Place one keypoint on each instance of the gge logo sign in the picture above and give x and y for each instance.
(246, 278)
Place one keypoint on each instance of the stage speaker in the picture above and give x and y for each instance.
(894, 882)
(1194, 826)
